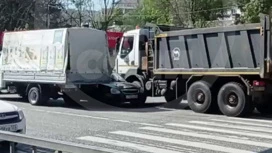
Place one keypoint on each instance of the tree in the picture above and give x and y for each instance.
(254, 7)
(157, 12)
(15, 13)
(27, 14)
(82, 11)
(198, 12)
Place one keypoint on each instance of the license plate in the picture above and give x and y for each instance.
(11, 128)
(132, 96)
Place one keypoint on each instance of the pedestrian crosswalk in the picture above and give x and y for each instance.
(229, 135)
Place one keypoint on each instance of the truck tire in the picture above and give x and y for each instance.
(199, 97)
(233, 100)
(36, 97)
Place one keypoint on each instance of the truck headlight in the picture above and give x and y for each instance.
(115, 91)
(21, 114)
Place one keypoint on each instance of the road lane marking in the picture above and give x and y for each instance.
(252, 120)
(124, 121)
(243, 123)
(207, 136)
(167, 109)
(181, 142)
(95, 117)
(233, 126)
(148, 124)
(77, 115)
(226, 131)
(126, 144)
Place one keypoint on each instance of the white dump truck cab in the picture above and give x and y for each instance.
(130, 50)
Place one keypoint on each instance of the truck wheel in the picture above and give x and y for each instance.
(36, 97)
(233, 101)
(199, 97)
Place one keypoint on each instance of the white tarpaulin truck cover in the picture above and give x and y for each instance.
(78, 55)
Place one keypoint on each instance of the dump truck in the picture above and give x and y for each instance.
(72, 63)
(226, 69)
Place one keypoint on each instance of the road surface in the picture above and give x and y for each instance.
(155, 128)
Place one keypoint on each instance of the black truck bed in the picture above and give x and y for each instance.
(234, 50)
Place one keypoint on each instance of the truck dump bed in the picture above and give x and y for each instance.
(233, 50)
(78, 55)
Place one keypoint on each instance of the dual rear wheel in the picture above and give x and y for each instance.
(231, 99)
(36, 97)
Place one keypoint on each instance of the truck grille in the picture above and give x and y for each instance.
(8, 118)
(130, 91)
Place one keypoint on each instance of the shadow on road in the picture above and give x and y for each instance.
(151, 106)
(95, 105)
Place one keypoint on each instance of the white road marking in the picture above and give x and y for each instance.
(243, 123)
(221, 130)
(94, 117)
(124, 121)
(148, 124)
(181, 142)
(168, 109)
(77, 115)
(233, 126)
(252, 120)
(207, 136)
(126, 144)
(38, 110)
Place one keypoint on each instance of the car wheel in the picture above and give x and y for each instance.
(199, 97)
(36, 97)
(233, 101)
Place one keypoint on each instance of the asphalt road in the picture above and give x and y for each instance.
(156, 128)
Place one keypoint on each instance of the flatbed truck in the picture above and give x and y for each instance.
(68, 63)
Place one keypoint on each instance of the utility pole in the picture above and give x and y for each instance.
(48, 16)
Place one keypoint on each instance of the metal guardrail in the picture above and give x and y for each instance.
(55, 145)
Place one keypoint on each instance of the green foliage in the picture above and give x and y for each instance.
(254, 7)
(150, 11)
(198, 13)
(155, 11)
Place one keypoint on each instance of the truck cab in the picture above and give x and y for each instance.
(130, 50)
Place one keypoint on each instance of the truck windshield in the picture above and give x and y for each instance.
(127, 46)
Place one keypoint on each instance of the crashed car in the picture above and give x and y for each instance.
(120, 91)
